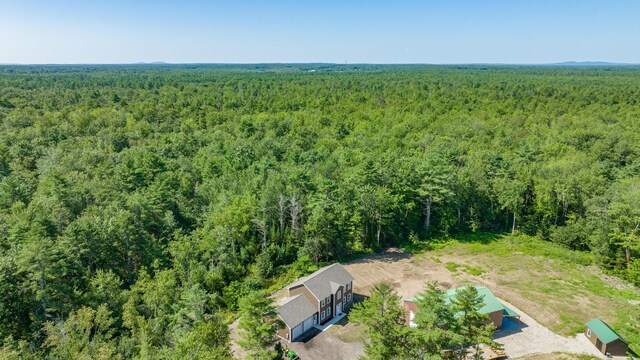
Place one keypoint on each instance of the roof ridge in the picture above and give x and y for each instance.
(323, 269)
(304, 279)
(288, 299)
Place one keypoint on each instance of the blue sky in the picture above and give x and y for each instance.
(447, 31)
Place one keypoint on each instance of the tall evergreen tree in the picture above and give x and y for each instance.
(258, 326)
(472, 328)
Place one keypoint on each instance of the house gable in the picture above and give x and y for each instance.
(303, 290)
(319, 283)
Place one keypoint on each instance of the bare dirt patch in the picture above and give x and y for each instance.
(405, 273)
(236, 350)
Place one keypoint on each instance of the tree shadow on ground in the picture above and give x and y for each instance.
(480, 237)
(484, 238)
(408, 249)
(389, 255)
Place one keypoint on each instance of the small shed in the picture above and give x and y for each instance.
(605, 338)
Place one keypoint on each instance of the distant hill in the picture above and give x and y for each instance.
(151, 63)
(589, 63)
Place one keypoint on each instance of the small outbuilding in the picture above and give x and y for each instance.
(491, 306)
(605, 338)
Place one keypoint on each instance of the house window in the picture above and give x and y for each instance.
(349, 297)
(339, 294)
(327, 299)
(348, 286)
(322, 316)
(589, 332)
(328, 311)
(322, 302)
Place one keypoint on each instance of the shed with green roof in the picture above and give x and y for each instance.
(605, 338)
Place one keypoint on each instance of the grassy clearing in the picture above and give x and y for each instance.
(346, 332)
(560, 288)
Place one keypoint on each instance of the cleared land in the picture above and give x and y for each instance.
(557, 287)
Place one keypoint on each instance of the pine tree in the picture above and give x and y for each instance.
(258, 326)
(472, 327)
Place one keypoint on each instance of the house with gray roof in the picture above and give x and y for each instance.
(315, 300)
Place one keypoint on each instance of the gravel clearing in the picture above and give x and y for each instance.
(531, 338)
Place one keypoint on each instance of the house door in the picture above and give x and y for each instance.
(599, 345)
(338, 308)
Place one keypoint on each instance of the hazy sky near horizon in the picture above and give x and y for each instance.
(452, 31)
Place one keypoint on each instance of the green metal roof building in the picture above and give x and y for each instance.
(492, 306)
(605, 338)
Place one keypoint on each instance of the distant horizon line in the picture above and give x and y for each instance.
(565, 63)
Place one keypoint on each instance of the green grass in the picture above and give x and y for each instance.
(558, 280)
(503, 245)
(348, 332)
(473, 270)
(451, 266)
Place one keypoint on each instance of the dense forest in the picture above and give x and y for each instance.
(140, 204)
